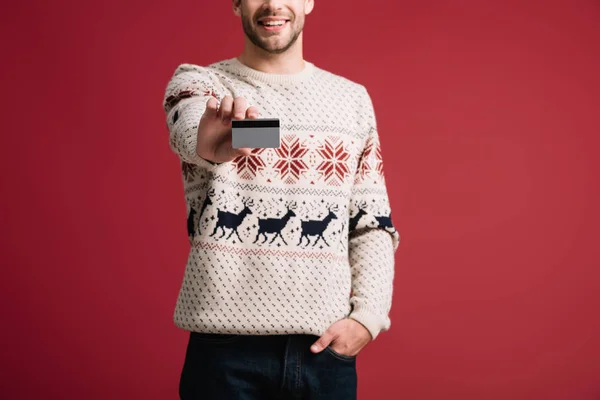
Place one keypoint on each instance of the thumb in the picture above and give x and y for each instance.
(324, 341)
(242, 151)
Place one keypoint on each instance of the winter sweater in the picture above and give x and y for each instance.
(285, 240)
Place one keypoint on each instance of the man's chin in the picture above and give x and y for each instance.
(274, 48)
(271, 45)
(276, 51)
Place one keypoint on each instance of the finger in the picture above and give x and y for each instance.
(324, 341)
(225, 109)
(252, 112)
(211, 108)
(239, 108)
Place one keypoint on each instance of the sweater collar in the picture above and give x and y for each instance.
(244, 70)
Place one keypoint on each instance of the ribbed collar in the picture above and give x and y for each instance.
(244, 70)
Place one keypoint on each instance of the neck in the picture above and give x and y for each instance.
(289, 62)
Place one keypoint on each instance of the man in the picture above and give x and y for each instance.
(291, 264)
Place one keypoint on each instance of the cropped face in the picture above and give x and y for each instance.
(273, 26)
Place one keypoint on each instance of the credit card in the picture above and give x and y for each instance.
(255, 133)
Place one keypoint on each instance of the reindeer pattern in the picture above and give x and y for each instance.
(380, 221)
(278, 221)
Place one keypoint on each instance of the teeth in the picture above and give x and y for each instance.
(273, 23)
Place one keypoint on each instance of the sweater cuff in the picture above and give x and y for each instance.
(202, 162)
(183, 122)
(370, 320)
(190, 144)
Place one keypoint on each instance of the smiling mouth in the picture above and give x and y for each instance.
(273, 24)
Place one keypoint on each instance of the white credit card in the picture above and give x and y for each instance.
(255, 133)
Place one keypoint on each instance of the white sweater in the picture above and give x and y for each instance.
(286, 240)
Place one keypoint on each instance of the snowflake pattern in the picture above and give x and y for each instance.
(189, 171)
(379, 160)
(291, 164)
(248, 166)
(334, 166)
(364, 167)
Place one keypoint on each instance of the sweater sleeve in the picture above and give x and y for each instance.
(373, 238)
(184, 102)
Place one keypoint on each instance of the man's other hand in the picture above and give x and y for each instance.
(346, 336)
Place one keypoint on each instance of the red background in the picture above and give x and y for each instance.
(488, 114)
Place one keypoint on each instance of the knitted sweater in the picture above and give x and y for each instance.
(290, 239)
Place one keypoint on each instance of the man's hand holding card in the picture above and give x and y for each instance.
(232, 129)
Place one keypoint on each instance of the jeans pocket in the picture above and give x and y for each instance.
(339, 356)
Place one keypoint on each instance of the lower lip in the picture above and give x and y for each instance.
(274, 28)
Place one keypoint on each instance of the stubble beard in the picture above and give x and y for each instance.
(263, 44)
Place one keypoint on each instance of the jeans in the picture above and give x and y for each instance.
(273, 367)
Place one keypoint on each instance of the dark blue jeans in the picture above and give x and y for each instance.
(276, 367)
